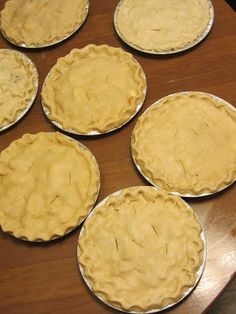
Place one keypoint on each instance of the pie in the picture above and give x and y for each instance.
(43, 22)
(48, 184)
(94, 90)
(18, 86)
(185, 143)
(141, 249)
(160, 25)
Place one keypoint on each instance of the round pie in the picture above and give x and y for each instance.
(141, 249)
(41, 23)
(157, 26)
(94, 90)
(18, 86)
(185, 143)
(48, 184)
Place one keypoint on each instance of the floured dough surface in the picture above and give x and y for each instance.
(96, 88)
(141, 250)
(18, 85)
(48, 184)
(186, 143)
(162, 25)
(41, 22)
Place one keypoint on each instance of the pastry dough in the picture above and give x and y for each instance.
(161, 25)
(18, 86)
(48, 184)
(94, 89)
(186, 143)
(141, 250)
(41, 23)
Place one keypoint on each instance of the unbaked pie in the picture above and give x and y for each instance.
(94, 90)
(48, 184)
(18, 86)
(160, 25)
(185, 143)
(41, 23)
(141, 249)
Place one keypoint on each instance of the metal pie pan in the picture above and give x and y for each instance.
(89, 211)
(171, 51)
(31, 101)
(95, 132)
(199, 272)
(51, 43)
(157, 103)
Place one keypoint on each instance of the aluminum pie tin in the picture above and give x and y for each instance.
(31, 101)
(82, 146)
(171, 51)
(94, 132)
(199, 272)
(53, 42)
(157, 103)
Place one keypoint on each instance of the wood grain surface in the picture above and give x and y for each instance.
(44, 278)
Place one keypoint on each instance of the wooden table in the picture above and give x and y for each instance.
(44, 278)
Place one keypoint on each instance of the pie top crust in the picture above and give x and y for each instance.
(42, 22)
(18, 85)
(159, 25)
(94, 89)
(186, 143)
(141, 250)
(48, 184)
